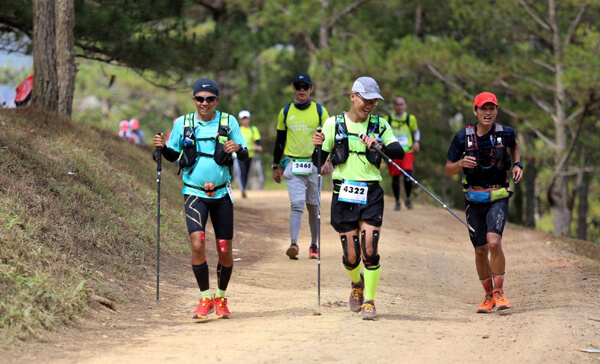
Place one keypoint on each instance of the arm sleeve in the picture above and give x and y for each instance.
(394, 150)
(170, 154)
(279, 145)
(242, 155)
(315, 157)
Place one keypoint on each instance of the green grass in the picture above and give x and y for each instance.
(77, 219)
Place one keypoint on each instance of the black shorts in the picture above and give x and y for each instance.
(345, 215)
(221, 215)
(489, 217)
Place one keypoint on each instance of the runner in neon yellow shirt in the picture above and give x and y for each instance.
(357, 203)
(296, 124)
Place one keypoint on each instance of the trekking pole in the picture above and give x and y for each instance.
(158, 158)
(389, 160)
(319, 130)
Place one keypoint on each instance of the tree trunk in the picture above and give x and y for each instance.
(558, 192)
(531, 199)
(583, 187)
(65, 57)
(419, 22)
(45, 88)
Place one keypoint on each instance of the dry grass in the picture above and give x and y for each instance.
(77, 219)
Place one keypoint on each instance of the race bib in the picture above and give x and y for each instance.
(302, 167)
(403, 140)
(354, 192)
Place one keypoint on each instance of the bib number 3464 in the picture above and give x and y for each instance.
(354, 192)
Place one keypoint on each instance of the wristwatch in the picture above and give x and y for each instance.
(275, 166)
(519, 164)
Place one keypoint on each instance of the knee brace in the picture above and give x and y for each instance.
(298, 206)
(356, 249)
(370, 261)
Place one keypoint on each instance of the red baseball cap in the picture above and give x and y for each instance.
(484, 98)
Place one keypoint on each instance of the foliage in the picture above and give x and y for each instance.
(75, 219)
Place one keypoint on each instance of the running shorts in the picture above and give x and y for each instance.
(405, 163)
(489, 217)
(197, 210)
(345, 215)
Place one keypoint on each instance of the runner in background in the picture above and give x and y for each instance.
(407, 132)
(252, 137)
(484, 152)
(357, 203)
(295, 126)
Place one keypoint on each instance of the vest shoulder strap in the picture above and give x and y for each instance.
(188, 120)
(286, 110)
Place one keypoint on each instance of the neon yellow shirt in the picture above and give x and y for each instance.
(251, 135)
(404, 129)
(357, 167)
(301, 125)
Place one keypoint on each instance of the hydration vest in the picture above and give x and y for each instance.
(501, 159)
(341, 148)
(189, 152)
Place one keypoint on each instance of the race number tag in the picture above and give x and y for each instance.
(302, 167)
(354, 192)
(403, 140)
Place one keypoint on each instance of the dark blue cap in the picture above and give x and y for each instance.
(302, 77)
(206, 84)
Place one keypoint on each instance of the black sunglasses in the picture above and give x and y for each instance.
(209, 99)
(304, 87)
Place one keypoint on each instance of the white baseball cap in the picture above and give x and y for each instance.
(244, 114)
(367, 88)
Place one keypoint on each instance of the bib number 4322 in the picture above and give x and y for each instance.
(353, 192)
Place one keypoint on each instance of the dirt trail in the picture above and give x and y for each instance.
(426, 300)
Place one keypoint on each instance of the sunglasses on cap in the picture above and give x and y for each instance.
(209, 99)
(300, 87)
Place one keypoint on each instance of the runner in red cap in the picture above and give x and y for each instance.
(484, 152)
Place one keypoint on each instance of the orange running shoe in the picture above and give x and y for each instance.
(313, 252)
(487, 305)
(205, 308)
(501, 301)
(222, 310)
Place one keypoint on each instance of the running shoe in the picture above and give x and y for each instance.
(313, 252)
(501, 301)
(408, 204)
(292, 251)
(222, 310)
(368, 310)
(398, 206)
(205, 308)
(487, 305)
(356, 296)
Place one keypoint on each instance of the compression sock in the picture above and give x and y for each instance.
(498, 281)
(372, 275)
(396, 187)
(354, 274)
(201, 274)
(313, 222)
(223, 277)
(488, 285)
(407, 184)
